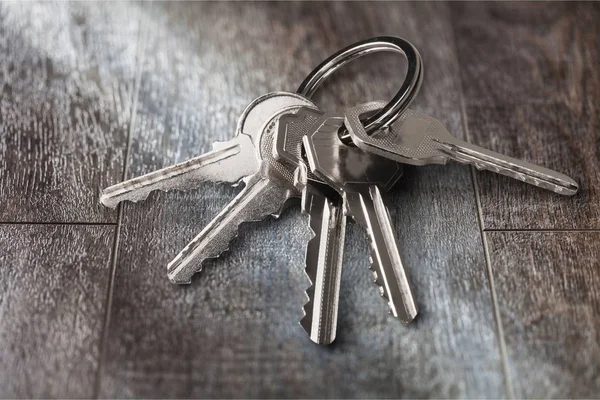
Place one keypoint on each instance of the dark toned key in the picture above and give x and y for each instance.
(360, 177)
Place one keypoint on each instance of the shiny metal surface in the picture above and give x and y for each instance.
(267, 156)
(325, 210)
(292, 128)
(265, 193)
(418, 139)
(228, 162)
(359, 176)
(409, 88)
(324, 257)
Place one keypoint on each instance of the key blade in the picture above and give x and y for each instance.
(418, 139)
(324, 253)
(483, 159)
(260, 198)
(369, 210)
(229, 162)
(357, 175)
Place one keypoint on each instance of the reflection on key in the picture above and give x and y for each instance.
(359, 177)
(418, 139)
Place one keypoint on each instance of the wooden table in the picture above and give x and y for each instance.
(506, 275)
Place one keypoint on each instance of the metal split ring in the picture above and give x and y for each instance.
(412, 82)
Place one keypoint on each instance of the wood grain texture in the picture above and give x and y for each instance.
(234, 331)
(531, 83)
(53, 285)
(548, 286)
(67, 72)
(76, 78)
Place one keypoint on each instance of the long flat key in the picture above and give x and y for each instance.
(229, 161)
(325, 208)
(324, 254)
(265, 193)
(418, 139)
(358, 176)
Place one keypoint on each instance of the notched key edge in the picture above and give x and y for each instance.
(212, 242)
(139, 188)
(323, 265)
(409, 311)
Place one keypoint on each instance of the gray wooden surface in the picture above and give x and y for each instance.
(506, 275)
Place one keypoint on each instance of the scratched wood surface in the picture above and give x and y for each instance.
(92, 93)
(52, 305)
(238, 322)
(531, 84)
(551, 329)
(67, 83)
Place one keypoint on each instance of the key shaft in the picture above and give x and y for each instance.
(266, 193)
(324, 253)
(357, 175)
(418, 139)
(484, 159)
(325, 209)
(260, 198)
(229, 162)
(367, 208)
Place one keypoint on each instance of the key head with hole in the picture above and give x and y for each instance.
(264, 108)
(346, 167)
(418, 139)
(276, 167)
(408, 139)
(288, 147)
(292, 128)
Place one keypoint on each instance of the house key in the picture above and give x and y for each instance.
(418, 139)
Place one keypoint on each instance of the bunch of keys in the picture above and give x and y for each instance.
(340, 165)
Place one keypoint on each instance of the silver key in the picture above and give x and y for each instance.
(358, 177)
(418, 139)
(324, 255)
(266, 193)
(324, 251)
(228, 162)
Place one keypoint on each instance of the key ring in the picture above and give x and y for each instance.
(412, 82)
